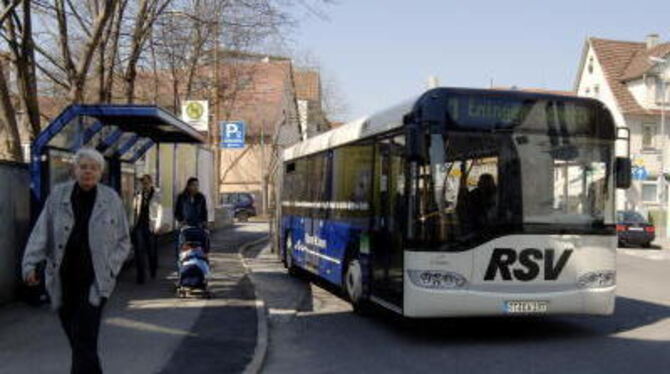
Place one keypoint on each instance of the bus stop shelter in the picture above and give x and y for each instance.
(122, 133)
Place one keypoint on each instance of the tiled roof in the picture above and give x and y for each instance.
(307, 85)
(641, 63)
(621, 59)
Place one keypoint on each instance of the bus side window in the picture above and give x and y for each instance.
(352, 179)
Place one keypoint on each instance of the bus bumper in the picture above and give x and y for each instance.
(419, 302)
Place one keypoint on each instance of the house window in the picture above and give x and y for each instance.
(596, 90)
(590, 65)
(648, 136)
(649, 192)
(588, 92)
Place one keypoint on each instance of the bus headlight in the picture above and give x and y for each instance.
(597, 279)
(436, 279)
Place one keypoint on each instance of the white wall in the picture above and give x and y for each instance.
(589, 80)
(655, 87)
(640, 91)
(206, 178)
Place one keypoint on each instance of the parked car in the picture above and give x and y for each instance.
(243, 204)
(634, 229)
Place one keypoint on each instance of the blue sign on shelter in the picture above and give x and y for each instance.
(232, 134)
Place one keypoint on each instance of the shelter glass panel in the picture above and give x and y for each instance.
(128, 189)
(168, 194)
(60, 166)
(73, 134)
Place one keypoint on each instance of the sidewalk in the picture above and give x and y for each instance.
(146, 329)
(661, 243)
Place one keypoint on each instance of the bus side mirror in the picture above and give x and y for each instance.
(623, 170)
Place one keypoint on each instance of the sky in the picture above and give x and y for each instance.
(381, 52)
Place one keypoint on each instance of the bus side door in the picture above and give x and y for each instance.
(388, 225)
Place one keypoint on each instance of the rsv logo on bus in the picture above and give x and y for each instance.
(527, 263)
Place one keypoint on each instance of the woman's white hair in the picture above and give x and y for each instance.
(90, 154)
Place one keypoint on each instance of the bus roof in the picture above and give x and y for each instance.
(378, 123)
(392, 117)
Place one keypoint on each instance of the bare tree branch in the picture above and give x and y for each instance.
(84, 26)
(9, 9)
(53, 77)
(50, 58)
(64, 41)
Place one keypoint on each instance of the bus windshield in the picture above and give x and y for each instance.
(476, 186)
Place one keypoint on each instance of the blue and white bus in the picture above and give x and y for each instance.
(461, 202)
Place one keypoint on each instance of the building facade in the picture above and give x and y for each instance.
(630, 78)
(280, 106)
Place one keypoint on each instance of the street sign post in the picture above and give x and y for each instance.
(232, 134)
(196, 114)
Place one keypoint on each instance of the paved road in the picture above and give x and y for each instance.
(146, 329)
(313, 331)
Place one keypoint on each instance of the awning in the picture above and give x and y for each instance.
(119, 132)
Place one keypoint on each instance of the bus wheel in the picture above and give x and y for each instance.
(353, 285)
(288, 258)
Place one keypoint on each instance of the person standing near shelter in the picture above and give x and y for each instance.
(191, 208)
(148, 213)
(82, 233)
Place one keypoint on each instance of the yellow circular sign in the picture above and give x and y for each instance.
(194, 110)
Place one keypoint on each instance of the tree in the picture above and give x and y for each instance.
(96, 50)
(148, 13)
(17, 32)
(9, 130)
(77, 69)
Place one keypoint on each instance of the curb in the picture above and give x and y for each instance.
(262, 338)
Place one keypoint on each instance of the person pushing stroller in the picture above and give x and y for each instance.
(191, 208)
(192, 241)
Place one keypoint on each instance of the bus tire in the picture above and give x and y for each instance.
(288, 258)
(353, 287)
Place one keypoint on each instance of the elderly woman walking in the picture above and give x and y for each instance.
(82, 233)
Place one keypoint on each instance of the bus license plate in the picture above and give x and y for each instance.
(526, 307)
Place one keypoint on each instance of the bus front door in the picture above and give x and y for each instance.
(387, 248)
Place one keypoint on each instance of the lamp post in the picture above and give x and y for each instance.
(662, 63)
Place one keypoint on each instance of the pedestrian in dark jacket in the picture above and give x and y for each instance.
(82, 233)
(148, 214)
(191, 209)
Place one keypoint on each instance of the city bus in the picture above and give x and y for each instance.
(460, 202)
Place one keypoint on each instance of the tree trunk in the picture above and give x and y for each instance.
(131, 74)
(8, 120)
(76, 94)
(24, 65)
(111, 63)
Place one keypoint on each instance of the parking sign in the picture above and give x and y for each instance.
(232, 134)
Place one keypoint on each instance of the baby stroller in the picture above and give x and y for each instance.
(193, 263)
